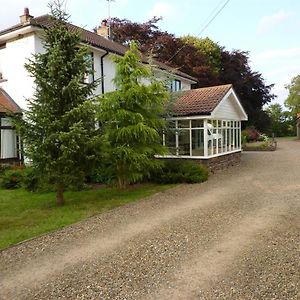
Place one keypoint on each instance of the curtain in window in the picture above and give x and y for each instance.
(8, 140)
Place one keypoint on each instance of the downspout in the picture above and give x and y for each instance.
(102, 71)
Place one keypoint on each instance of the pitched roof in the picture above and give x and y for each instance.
(200, 101)
(95, 40)
(7, 104)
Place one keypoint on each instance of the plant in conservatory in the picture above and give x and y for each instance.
(132, 119)
(59, 128)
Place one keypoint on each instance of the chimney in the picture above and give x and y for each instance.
(26, 17)
(103, 30)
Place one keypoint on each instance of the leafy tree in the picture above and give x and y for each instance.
(210, 63)
(163, 46)
(249, 85)
(59, 129)
(208, 48)
(131, 118)
(282, 123)
(293, 100)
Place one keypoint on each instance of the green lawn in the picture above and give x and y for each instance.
(24, 215)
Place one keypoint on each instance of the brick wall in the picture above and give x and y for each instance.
(222, 162)
(218, 163)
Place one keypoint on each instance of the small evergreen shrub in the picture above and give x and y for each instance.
(30, 180)
(12, 178)
(178, 171)
(4, 168)
(103, 174)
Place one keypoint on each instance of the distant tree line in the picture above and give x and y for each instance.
(283, 117)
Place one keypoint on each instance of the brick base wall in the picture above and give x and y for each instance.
(218, 163)
(222, 162)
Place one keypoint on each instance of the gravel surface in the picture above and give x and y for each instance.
(236, 236)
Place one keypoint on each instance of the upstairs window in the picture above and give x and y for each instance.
(88, 78)
(175, 85)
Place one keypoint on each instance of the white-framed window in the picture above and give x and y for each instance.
(89, 77)
(202, 137)
(175, 85)
(9, 142)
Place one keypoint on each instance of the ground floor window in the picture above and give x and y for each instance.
(9, 141)
(202, 137)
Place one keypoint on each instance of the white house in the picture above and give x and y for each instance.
(206, 122)
(20, 42)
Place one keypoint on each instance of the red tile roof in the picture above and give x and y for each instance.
(7, 104)
(95, 40)
(200, 101)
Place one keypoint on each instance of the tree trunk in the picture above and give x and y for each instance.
(60, 194)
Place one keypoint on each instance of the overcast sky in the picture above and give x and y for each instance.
(268, 29)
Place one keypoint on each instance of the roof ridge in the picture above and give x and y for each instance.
(125, 48)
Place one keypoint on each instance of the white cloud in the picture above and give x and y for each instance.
(160, 9)
(267, 23)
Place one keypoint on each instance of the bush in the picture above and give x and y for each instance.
(30, 179)
(250, 135)
(179, 171)
(103, 174)
(12, 178)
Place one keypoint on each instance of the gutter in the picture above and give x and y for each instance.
(102, 71)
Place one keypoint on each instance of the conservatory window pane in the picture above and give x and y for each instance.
(198, 142)
(228, 139)
(8, 143)
(184, 124)
(238, 138)
(170, 141)
(197, 123)
(184, 142)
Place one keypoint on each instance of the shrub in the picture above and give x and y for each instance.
(4, 168)
(103, 174)
(263, 138)
(12, 178)
(30, 179)
(178, 171)
(250, 134)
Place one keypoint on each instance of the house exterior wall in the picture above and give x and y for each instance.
(20, 86)
(227, 110)
(17, 82)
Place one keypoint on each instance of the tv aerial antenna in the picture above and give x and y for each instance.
(108, 16)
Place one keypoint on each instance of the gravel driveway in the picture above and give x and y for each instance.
(236, 236)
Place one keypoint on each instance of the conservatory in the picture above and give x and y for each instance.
(206, 124)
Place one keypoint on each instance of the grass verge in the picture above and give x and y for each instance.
(24, 215)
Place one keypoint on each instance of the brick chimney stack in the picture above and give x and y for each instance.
(103, 30)
(26, 17)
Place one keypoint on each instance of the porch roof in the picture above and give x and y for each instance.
(7, 104)
(201, 101)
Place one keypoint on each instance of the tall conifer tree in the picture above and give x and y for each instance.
(59, 129)
(132, 119)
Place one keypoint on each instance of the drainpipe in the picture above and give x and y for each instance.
(102, 71)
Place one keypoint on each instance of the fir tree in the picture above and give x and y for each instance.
(132, 119)
(59, 129)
